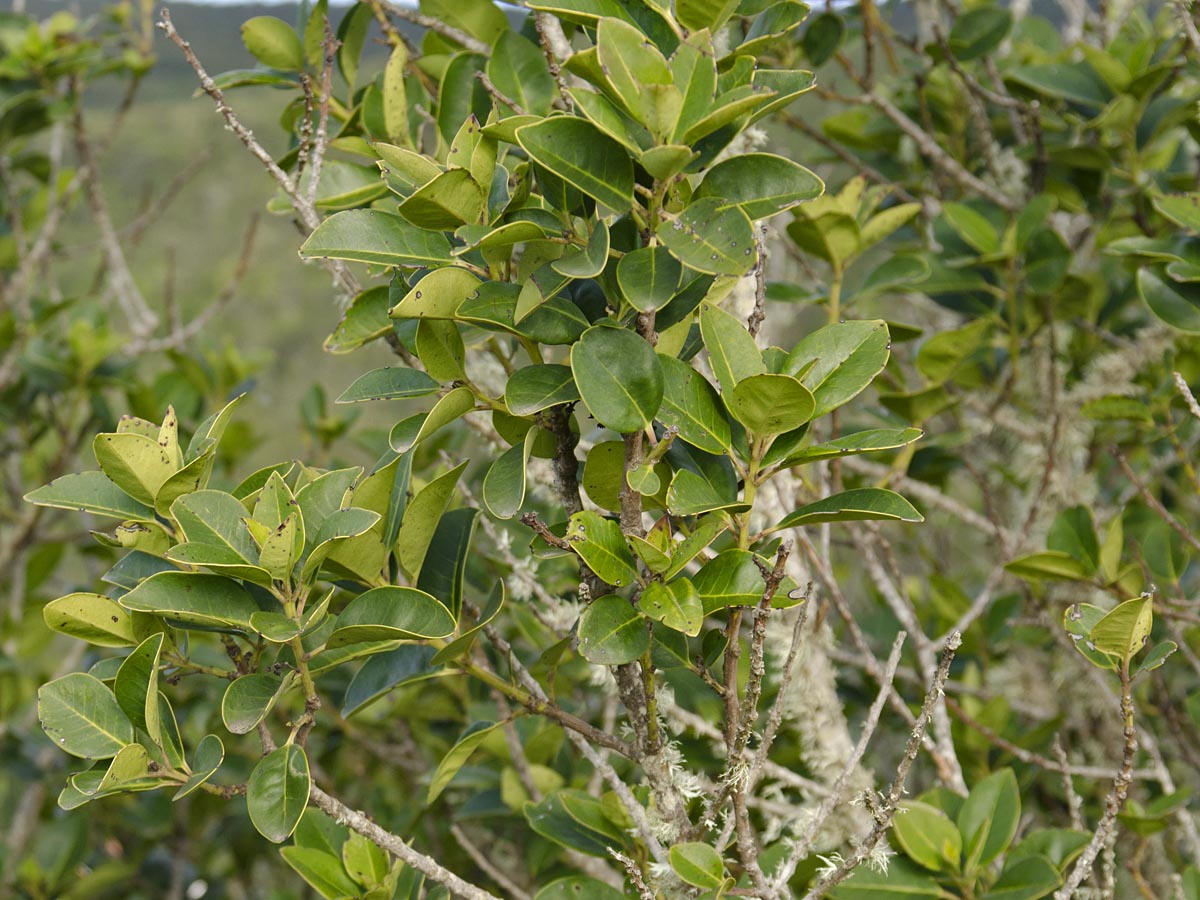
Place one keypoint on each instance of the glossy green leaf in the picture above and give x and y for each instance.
(711, 235)
(82, 716)
(323, 871)
(771, 404)
(844, 358)
(928, 836)
(731, 578)
(193, 599)
(619, 378)
(600, 543)
(451, 199)
(453, 761)
(677, 605)
(389, 383)
(247, 701)
(698, 864)
(1176, 303)
(977, 32)
(583, 156)
(856, 505)
(989, 818)
(586, 262)
(505, 481)
(578, 887)
(691, 405)
(90, 617)
(438, 295)
(367, 863)
(136, 686)
(532, 389)
(384, 672)
(853, 444)
(691, 494)
(902, 881)
(1182, 209)
(365, 320)
(373, 236)
(1026, 879)
(277, 792)
(273, 42)
(612, 632)
(1048, 564)
(91, 492)
(518, 70)
(761, 184)
(215, 519)
(648, 277)
(391, 613)
(1124, 631)
(137, 464)
(420, 520)
(732, 352)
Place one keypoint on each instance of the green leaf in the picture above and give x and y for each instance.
(420, 520)
(82, 716)
(391, 613)
(450, 408)
(216, 519)
(273, 43)
(693, 406)
(364, 321)
(600, 543)
(676, 605)
(389, 383)
(822, 37)
(648, 277)
(1156, 657)
(988, 819)
(461, 644)
(1182, 209)
(691, 494)
(583, 156)
(711, 235)
(1026, 879)
(193, 599)
(1125, 630)
(732, 352)
(698, 864)
(91, 492)
(451, 199)
(438, 295)
(1074, 82)
(619, 378)
(277, 792)
(90, 617)
(248, 699)
(695, 15)
(928, 837)
(851, 444)
(731, 578)
(453, 761)
(1176, 303)
(856, 505)
(612, 632)
(589, 261)
(977, 32)
(385, 672)
(323, 871)
(761, 184)
(446, 563)
(771, 404)
(366, 863)
(1074, 533)
(691, 546)
(136, 686)
(532, 389)
(505, 481)
(210, 753)
(137, 464)
(441, 350)
(584, 828)
(373, 236)
(1048, 564)
(637, 75)
(518, 70)
(902, 881)
(844, 357)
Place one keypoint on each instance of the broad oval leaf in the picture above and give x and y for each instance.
(532, 389)
(712, 236)
(277, 792)
(384, 672)
(391, 613)
(770, 404)
(1125, 630)
(676, 605)
(91, 492)
(844, 357)
(928, 836)
(82, 716)
(601, 544)
(619, 378)
(698, 864)
(93, 618)
(761, 184)
(648, 277)
(612, 632)
(989, 818)
(732, 352)
(467, 744)
(692, 405)
(210, 753)
(248, 699)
